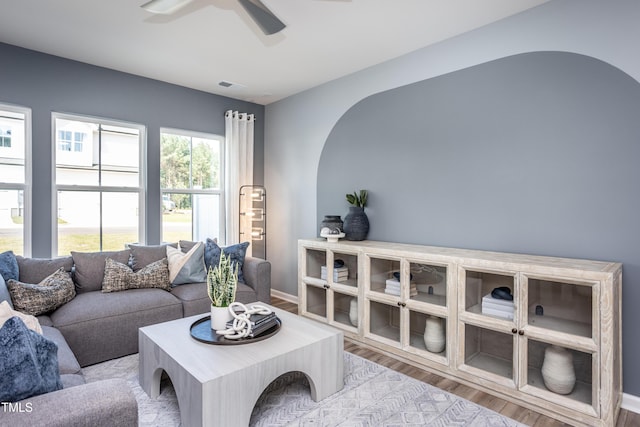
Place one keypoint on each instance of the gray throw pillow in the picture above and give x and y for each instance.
(46, 296)
(34, 270)
(141, 255)
(119, 277)
(90, 267)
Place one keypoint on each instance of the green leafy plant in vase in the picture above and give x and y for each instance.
(222, 282)
(356, 223)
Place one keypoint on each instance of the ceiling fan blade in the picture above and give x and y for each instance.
(164, 7)
(266, 20)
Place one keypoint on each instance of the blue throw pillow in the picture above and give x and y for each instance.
(236, 252)
(28, 363)
(8, 266)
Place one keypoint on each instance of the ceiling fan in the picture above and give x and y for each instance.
(266, 20)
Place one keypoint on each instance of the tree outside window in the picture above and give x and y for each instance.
(191, 182)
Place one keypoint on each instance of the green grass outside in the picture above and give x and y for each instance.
(111, 241)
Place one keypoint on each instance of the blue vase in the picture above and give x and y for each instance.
(356, 224)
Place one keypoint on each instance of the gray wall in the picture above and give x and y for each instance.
(298, 127)
(534, 153)
(49, 84)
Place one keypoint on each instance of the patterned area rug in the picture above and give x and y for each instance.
(372, 396)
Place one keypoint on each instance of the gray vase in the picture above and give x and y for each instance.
(356, 224)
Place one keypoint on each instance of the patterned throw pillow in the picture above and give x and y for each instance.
(119, 277)
(54, 291)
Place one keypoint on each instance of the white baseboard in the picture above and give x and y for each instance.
(631, 403)
(284, 296)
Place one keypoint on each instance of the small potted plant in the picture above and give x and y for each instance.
(222, 282)
(356, 223)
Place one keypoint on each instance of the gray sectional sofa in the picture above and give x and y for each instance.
(95, 326)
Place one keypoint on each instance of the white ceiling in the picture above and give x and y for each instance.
(213, 40)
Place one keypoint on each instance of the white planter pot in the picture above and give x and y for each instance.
(353, 312)
(434, 339)
(557, 370)
(219, 318)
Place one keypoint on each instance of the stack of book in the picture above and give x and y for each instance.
(393, 288)
(497, 307)
(260, 323)
(339, 274)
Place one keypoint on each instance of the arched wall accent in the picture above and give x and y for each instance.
(533, 153)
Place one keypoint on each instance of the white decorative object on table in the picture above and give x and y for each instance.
(434, 339)
(219, 317)
(242, 325)
(332, 235)
(353, 312)
(557, 370)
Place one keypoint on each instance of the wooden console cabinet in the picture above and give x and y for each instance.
(385, 294)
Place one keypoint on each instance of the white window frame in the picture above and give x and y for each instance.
(219, 191)
(26, 186)
(141, 189)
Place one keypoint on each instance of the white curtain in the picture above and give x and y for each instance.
(238, 167)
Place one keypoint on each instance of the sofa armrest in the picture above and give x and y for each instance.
(102, 403)
(257, 275)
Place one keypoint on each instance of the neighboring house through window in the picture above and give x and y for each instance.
(99, 184)
(191, 181)
(15, 179)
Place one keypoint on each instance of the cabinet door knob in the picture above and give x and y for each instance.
(326, 286)
(514, 330)
(401, 304)
(520, 332)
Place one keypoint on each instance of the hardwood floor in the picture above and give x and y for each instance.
(516, 412)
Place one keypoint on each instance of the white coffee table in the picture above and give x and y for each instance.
(218, 385)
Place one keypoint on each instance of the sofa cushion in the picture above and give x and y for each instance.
(90, 267)
(141, 256)
(101, 326)
(186, 267)
(67, 362)
(8, 266)
(195, 299)
(35, 299)
(28, 363)
(34, 270)
(71, 380)
(237, 253)
(6, 312)
(119, 277)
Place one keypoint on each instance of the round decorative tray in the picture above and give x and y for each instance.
(201, 331)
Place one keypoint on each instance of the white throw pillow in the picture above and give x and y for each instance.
(6, 313)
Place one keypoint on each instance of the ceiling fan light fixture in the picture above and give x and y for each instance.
(164, 7)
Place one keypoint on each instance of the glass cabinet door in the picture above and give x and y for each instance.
(428, 283)
(560, 341)
(488, 324)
